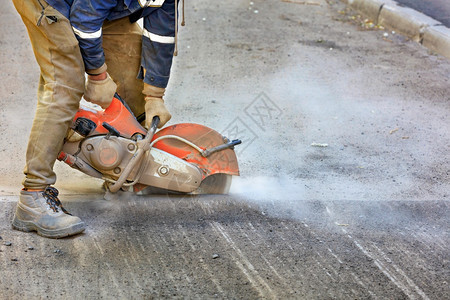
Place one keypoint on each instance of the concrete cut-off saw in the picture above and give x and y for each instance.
(184, 158)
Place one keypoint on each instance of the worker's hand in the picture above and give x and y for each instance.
(154, 106)
(100, 89)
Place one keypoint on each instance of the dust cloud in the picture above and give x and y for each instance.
(268, 190)
(281, 197)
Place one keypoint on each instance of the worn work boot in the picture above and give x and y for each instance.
(43, 212)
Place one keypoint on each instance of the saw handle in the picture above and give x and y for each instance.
(155, 123)
(143, 146)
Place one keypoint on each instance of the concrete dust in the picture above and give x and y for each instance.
(261, 189)
(276, 196)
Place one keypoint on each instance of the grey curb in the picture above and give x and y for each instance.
(437, 39)
(409, 22)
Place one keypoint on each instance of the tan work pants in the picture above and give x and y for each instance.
(61, 83)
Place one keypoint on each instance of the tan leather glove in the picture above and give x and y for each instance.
(154, 105)
(100, 92)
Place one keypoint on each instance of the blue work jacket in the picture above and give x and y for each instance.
(158, 40)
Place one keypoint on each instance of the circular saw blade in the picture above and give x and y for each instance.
(214, 184)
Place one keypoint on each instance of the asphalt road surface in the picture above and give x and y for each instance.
(437, 9)
(344, 186)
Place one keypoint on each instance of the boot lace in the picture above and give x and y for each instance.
(51, 196)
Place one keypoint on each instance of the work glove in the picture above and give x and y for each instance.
(154, 105)
(100, 92)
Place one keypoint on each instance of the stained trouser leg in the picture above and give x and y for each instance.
(122, 44)
(61, 86)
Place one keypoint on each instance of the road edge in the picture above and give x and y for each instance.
(417, 26)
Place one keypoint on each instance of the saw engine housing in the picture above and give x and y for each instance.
(112, 145)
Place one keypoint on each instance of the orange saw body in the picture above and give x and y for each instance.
(183, 158)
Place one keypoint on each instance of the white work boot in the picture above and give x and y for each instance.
(43, 212)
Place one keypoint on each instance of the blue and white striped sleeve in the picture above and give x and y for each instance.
(87, 19)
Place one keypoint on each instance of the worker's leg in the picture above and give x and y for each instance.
(60, 89)
(122, 43)
(61, 86)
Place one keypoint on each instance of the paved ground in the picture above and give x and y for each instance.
(364, 217)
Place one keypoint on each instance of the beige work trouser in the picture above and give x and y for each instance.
(61, 83)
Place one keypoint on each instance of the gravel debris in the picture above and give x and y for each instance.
(322, 145)
(7, 243)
